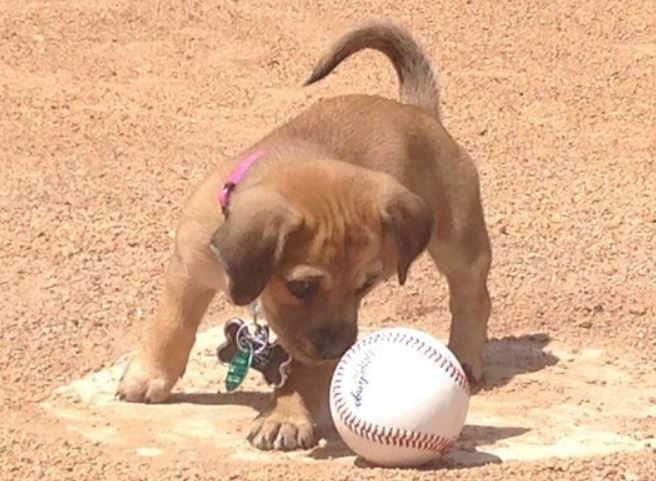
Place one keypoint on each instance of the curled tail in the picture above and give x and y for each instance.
(416, 77)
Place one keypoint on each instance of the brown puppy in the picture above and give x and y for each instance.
(341, 197)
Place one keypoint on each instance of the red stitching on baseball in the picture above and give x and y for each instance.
(396, 436)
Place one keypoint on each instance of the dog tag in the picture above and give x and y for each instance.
(238, 368)
(270, 359)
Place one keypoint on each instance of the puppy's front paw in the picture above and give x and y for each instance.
(144, 381)
(475, 378)
(282, 432)
(473, 366)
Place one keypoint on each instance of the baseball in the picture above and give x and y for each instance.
(399, 397)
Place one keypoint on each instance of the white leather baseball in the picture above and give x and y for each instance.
(399, 397)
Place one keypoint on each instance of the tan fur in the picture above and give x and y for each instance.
(348, 193)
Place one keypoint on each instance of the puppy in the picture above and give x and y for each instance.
(309, 220)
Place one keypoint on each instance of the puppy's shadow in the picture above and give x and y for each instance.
(463, 455)
(253, 399)
(506, 358)
(511, 356)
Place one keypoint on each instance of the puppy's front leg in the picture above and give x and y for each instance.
(298, 408)
(151, 374)
(466, 262)
(470, 309)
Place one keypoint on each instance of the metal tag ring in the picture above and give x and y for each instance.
(246, 341)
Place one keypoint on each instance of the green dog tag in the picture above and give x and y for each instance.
(238, 367)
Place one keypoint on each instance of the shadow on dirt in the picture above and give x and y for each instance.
(506, 358)
(253, 399)
(462, 455)
(512, 356)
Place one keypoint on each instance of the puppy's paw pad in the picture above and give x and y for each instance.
(282, 434)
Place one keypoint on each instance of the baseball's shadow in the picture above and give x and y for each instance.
(462, 455)
(506, 358)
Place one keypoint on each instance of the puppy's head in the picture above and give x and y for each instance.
(312, 243)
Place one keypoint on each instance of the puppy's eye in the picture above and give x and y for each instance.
(368, 284)
(302, 289)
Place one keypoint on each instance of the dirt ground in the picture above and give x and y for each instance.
(112, 111)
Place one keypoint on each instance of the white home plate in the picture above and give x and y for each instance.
(539, 403)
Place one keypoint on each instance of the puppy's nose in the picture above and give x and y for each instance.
(333, 342)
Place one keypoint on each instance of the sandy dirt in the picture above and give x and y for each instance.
(111, 112)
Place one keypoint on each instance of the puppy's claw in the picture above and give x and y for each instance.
(475, 383)
(468, 372)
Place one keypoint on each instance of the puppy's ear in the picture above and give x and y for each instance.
(408, 222)
(250, 243)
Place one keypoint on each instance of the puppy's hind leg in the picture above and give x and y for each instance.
(464, 256)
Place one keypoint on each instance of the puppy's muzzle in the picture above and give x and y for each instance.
(331, 343)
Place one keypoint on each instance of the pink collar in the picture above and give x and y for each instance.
(235, 176)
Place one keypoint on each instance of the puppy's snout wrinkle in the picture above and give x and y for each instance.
(333, 342)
